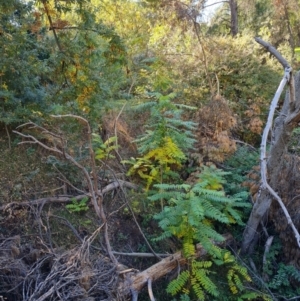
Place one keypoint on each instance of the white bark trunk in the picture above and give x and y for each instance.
(271, 167)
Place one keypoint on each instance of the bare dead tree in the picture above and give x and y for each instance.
(272, 164)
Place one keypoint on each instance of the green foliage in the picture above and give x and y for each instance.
(253, 296)
(42, 74)
(108, 51)
(167, 137)
(78, 206)
(185, 298)
(236, 273)
(195, 281)
(157, 165)
(240, 163)
(103, 150)
(297, 53)
(21, 85)
(191, 215)
(165, 121)
(176, 285)
(192, 210)
(282, 279)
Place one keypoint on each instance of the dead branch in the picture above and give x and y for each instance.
(263, 156)
(150, 292)
(69, 198)
(68, 224)
(162, 268)
(76, 273)
(267, 249)
(283, 126)
(137, 224)
(96, 198)
(144, 255)
(72, 160)
(51, 24)
(72, 274)
(116, 130)
(283, 62)
(273, 51)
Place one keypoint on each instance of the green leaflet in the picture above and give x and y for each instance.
(191, 214)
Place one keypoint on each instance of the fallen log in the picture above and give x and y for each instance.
(134, 282)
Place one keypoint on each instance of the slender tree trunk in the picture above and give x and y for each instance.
(234, 17)
(289, 27)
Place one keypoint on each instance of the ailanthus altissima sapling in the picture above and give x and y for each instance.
(193, 210)
(164, 144)
(191, 215)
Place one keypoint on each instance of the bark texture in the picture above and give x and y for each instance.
(234, 29)
(136, 281)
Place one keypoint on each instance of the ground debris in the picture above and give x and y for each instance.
(50, 275)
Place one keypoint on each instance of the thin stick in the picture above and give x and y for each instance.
(116, 130)
(91, 151)
(218, 84)
(66, 198)
(267, 249)
(95, 194)
(51, 25)
(8, 136)
(134, 295)
(150, 292)
(144, 255)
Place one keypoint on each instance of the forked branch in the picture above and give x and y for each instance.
(287, 78)
(92, 182)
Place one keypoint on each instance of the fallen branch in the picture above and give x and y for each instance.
(138, 281)
(95, 194)
(143, 255)
(283, 62)
(69, 198)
